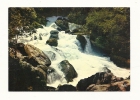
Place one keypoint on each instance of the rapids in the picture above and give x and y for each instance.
(86, 63)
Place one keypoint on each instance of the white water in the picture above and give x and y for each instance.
(86, 63)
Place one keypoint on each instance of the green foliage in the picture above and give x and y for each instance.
(20, 17)
(78, 15)
(110, 30)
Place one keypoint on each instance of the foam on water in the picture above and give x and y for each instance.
(86, 63)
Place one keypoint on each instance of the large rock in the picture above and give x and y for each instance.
(52, 75)
(23, 75)
(62, 23)
(66, 87)
(68, 70)
(54, 34)
(52, 42)
(36, 56)
(120, 86)
(116, 86)
(98, 78)
(94, 87)
(82, 41)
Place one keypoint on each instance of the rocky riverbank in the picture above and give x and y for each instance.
(29, 70)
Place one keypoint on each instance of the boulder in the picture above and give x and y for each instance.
(68, 70)
(20, 47)
(54, 34)
(94, 87)
(120, 86)
(35, 37)
(36, 56)
(98, 78)
(25, 77)
(52, 75)
(52, 42)
(63, 24)
(40, 37)
(59, 29)
(50, 88)
(66, 87)
(82, 41)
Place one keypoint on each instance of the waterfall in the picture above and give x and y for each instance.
(85, 63)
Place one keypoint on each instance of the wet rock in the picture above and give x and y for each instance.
(66, 87)
(36, 56)
(52, 42)
(94, 87)
(68, 70)
(120, 86)
(54, 34)
(52, 76)
(50, 88)
(98, 78)
(35, 37)
(24, 77)
(62, 23)
(20, 47)
(82, 41)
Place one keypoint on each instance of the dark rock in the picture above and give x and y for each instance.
(98, 78)
(20, 47)
(68, 70)
(59, 29)
(34, 31)
(67, 31)
(66, 87)
(36, 56)
(41, 73)
(35, 37)
(24, 77)
(12, 43)
(94, 87)
(52, 75)
(52, 42)
(49, 88)
(82, 41)
(54, 34)
(40, 37)
(120, 86)
(63, 24)
(75, 30)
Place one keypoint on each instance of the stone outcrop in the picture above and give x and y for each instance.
(66, 87)
(82, 41)
(36, 56)
(98, 78)
(62, 23)
(68, 70)
(24, 74)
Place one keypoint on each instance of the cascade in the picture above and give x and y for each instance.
(85, 63)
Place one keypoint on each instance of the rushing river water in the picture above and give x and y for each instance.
(86, 63)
